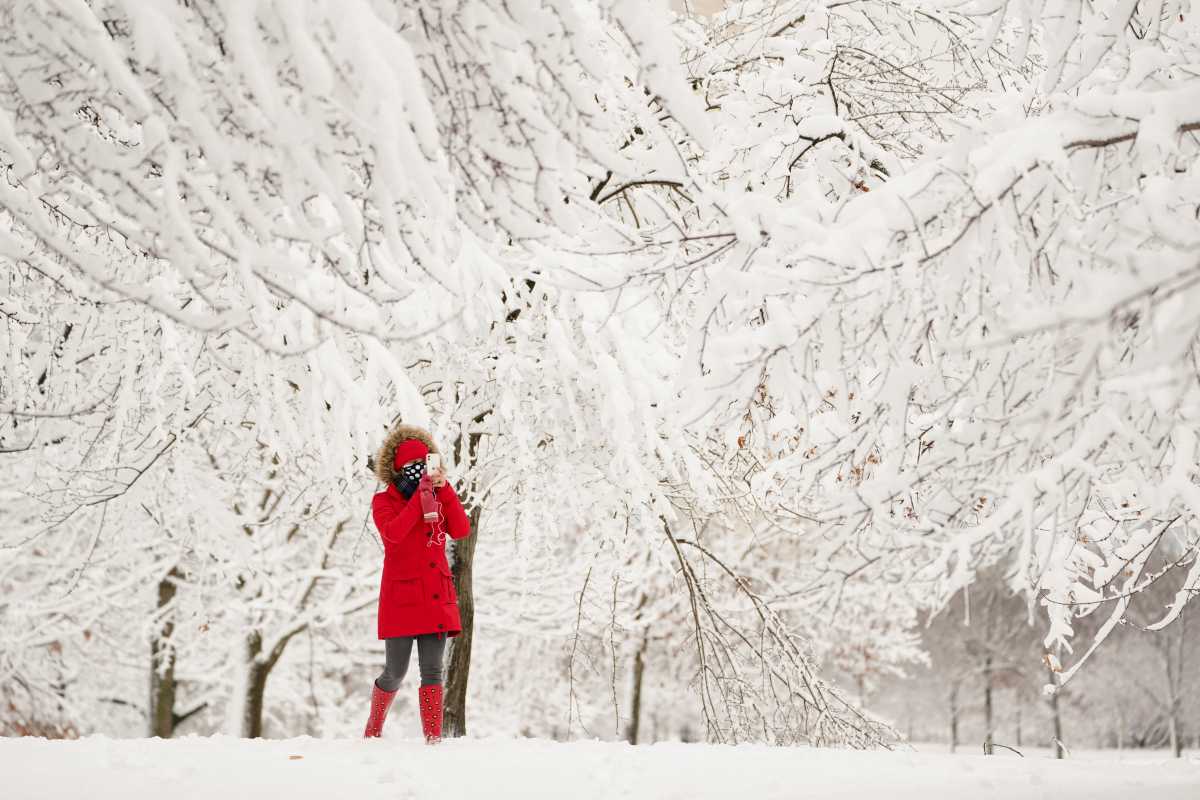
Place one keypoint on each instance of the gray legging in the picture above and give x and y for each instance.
(430, 649)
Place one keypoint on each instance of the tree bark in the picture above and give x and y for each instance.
(246, 705)
(258, 666)
(162, 664)
(1056, 718)
(458, 669)
(1175, 685)
(256, 690)
(454, 705)
(1058, 749)
(635, 712)
(987, 705)
(1173, 730)
(954, 716)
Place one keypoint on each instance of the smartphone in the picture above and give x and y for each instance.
(433, 462)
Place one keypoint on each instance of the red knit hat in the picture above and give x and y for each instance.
(408, 450)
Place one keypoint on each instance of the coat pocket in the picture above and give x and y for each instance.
(439, 588)
(405, 591)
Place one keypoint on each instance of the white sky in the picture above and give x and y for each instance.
(698, 6)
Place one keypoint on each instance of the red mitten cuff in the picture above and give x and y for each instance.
(429, 504)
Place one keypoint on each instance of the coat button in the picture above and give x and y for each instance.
(440, 625)
(432, 564)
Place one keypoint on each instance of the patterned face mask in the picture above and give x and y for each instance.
(409, 477)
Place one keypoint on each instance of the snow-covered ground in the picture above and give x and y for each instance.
(224, 768)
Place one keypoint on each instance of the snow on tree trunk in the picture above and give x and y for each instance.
(162, 663)
(244, 716)
(458, 671)
(237, 709)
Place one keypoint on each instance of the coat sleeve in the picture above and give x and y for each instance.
(393, 521)
(456, 519)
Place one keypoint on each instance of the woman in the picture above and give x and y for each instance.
(417, 602)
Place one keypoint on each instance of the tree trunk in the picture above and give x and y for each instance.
(1175, 685)
(454, 705)
(987, 706)
(1056, 718)
(953, 716)
(458, 670)
(256, 690)
(162, 664)
(1058, 748)
(244, 717)
(639, 668)
(1018, 723)
(1173, 730)
(251, 689)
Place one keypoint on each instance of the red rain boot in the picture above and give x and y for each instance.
(430, 700)
(381, 701)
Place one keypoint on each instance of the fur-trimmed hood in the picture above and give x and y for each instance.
(382, 466)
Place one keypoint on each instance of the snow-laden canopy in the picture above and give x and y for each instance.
(831, 301)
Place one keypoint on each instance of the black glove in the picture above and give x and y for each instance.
(409, 477)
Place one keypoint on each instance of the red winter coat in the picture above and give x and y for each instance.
(416, 594)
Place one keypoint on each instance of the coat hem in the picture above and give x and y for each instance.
(392, 635)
